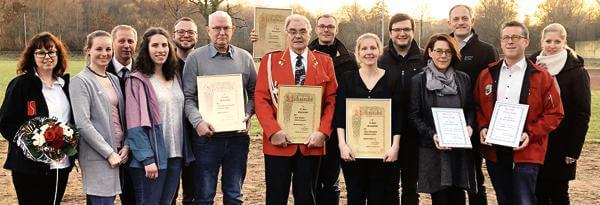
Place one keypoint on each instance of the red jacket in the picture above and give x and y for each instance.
(544, 115)
(319, 72)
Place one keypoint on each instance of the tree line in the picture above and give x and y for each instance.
(72, 20)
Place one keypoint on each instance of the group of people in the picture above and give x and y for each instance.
(141, 129)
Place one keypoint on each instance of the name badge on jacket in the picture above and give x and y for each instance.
(31, 108)
(468, 58)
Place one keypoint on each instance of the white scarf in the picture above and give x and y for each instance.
(554, 64)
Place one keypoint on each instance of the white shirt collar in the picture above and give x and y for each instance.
(521, 65)
(119, 66)
(463, 43)
(59, 81)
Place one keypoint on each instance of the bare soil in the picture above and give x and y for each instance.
(584, 190)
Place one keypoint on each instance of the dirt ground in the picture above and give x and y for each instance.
(584, 190)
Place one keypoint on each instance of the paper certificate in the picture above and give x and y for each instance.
(506, 126)
(299, 111)
(451, 127)
(221, 101)
(369, 127)
(269, 24)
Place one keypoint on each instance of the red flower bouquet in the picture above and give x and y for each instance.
(45, 139)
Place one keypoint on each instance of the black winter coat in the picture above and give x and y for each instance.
(476, 56)
(343, 59)
(422, 100)
(568, 138)
(23, 101)
(402, 69)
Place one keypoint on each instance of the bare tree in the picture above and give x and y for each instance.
(490, 15)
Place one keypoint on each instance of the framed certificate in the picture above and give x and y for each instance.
(506, 126)
(221, 101)
(369, 127)
(451, 127)
(299, 111)
(269, 24)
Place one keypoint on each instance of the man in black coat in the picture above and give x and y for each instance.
(124, 39)
(476, 56)
(327, 191)
(403, 58)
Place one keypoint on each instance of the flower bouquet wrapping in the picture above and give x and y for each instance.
(46, 140)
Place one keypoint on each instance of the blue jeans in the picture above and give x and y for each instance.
(157, 191)
(229, 153)
(514, 185)
(100, 200)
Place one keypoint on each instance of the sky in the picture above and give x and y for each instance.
(438, 9)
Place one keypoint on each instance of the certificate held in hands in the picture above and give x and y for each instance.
(221, 101)
(451, 127)
(269, 24)
(506, 126)
(299, 111)
(369, 127)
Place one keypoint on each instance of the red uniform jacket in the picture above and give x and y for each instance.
(545, 109)
(319, 72)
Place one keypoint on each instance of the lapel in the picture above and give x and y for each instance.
(286, 75)
(312, 73)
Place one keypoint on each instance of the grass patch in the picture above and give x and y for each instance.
(594, 130)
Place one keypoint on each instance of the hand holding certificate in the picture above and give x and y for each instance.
(506, 126)
(369, 127)
(269, 24)
(299, 111)
(221, 101)
(451, 127)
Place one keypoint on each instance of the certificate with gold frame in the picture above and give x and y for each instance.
(369, 127)
(299, 111)
(221, 101)
(269, 25)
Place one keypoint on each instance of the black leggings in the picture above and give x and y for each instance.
(39, 189)
(451, 195)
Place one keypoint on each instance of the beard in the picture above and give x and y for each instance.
(184, 48)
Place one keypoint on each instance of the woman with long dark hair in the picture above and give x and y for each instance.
(156, 121)
(41, 89)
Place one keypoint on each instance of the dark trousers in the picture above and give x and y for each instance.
(514, 184)
(298, 170)
(552, 191)
(448, 196)
(127, 192)
(371, 181)
(479, 197)
(99, 200)
(409, 171)
(35, 189)
(187, 185)
(327, 191)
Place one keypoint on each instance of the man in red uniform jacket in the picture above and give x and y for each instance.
(514, 79)
(296, 65)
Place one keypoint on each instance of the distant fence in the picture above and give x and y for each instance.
(588, 49)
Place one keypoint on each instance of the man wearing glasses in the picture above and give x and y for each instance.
(285, 163)
(327, 191)
(227, 151)
(185, 37)
(516, 80)
(403, 58)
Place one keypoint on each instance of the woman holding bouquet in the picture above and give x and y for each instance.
(98, 108)
(155, 120)
(39, 90)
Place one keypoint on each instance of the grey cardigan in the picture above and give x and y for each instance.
(93, 118)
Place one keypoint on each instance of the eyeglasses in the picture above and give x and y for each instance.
(183, 32)
(512, 38)
(220, 28)
(405, 30)
(442, 51)
(302, 32)
(322, 26)
(42, 54)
